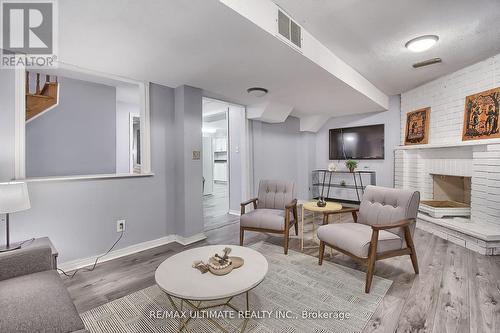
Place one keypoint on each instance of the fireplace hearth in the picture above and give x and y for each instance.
(452, 195)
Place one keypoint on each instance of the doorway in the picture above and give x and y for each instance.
(215, 163)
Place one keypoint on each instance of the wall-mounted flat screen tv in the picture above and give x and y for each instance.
(357, 143)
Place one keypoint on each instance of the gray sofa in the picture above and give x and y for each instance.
(33, 297)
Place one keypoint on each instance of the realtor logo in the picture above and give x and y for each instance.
(28, 29)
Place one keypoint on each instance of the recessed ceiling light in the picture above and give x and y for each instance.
(257, 91)
(422, 43)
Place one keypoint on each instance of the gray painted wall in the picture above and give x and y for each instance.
(391, 119)
(80, 216)
(188, 172)
(282, 152)
(77, 137)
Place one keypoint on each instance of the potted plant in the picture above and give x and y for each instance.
(351, 165)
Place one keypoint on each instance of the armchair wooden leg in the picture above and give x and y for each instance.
(242, 233)
(413, 254)
(286, 232)
(372, 256)
(321, 252)
(285, 245)
(296, 218)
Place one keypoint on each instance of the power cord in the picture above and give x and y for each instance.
(96, 259)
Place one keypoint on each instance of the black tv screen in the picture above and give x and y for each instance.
(357, 143)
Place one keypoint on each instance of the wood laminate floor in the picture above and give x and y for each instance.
(457, 290)
(216, 207)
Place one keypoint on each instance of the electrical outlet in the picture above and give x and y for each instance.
(120, 225)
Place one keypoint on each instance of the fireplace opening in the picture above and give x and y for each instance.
(451, 197)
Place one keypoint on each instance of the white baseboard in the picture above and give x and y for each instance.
(234, 212)
(79, 263)
(191, 239)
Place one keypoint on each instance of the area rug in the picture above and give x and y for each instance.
(297, 295)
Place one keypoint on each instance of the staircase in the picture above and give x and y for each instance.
(42, 100)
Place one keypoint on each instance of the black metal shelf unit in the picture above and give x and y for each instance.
(324, 180)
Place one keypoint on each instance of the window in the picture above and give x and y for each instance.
(78, 123)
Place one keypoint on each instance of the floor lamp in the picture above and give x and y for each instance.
(13, 198)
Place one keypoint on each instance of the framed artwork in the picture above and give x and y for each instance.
(417, 127)
(481, 115)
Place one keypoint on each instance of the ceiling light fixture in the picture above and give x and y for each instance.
(427, 62)
(257, 91)
(422, 43)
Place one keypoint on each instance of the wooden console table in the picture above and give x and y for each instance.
(324, 180)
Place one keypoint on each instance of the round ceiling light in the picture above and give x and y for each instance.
(257, 91)
(422, 43)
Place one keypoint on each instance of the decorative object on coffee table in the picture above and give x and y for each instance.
(219, 265)
(351, 165)
(321, 202)
(183, 285)
(417, 127)
(481, 115)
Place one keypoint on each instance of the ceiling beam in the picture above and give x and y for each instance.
(263, 13)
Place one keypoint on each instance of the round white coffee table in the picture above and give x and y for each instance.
(178, 279)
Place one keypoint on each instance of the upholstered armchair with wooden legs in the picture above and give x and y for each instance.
(274, 210)
(383, 228)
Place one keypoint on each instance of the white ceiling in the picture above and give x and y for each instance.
(201, 43)
(205, 44)
(370, 35)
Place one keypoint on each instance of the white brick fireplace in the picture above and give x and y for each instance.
(446, 154)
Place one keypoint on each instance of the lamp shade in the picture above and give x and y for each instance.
(14, 197)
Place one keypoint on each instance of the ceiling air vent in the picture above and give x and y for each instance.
(289, 29)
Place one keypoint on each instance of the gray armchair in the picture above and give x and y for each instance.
(275, 210)
(383, 228)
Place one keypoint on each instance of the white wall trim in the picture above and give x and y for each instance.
(88, 177)
(145, 128)
(234, 212)
(80, 263)
(190, 239)
(20, 123)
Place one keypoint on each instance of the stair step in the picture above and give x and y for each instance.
(40, 96)
(42, 100)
